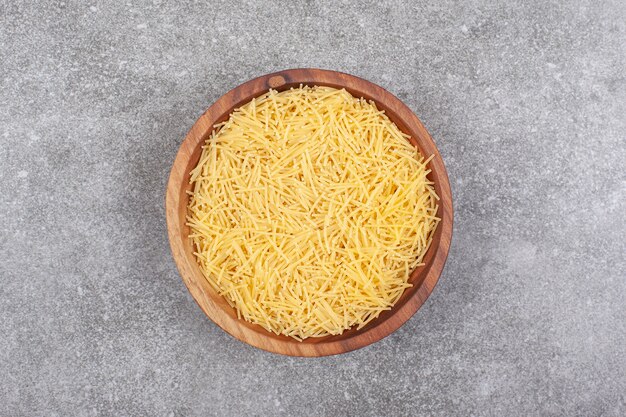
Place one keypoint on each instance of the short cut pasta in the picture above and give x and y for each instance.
(309, 210)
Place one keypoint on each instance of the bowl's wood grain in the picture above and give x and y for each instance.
(215, 307)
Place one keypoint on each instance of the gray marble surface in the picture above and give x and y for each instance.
(526, 101)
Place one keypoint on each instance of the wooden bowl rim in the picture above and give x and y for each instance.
(185, 261)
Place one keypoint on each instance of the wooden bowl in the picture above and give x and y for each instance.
(214, 306)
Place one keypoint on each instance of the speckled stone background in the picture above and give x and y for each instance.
(526, 101)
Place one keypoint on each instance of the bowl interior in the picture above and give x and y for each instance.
(423, 278)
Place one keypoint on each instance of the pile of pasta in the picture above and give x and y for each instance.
(309, 210)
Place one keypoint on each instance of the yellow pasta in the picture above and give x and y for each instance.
(309, 210)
